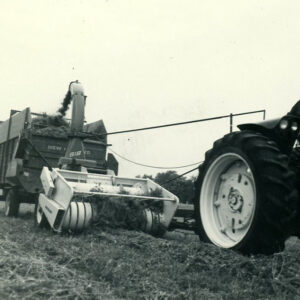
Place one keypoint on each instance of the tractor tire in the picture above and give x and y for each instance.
(12, 203)
(294, 164)
(245, 198)
(40, 219)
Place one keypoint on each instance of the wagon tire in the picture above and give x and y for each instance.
(245, 198)
(12, 203)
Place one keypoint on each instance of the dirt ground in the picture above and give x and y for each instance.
(106, 263)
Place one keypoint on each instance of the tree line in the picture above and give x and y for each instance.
(182, 187)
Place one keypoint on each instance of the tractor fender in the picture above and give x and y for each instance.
(284, 138)
(266, 128)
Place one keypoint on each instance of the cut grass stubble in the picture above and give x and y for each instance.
(114, 263)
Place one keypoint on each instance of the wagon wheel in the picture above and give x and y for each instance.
(12, 203)
(245, 196)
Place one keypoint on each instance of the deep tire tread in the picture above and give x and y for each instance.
(276, 195)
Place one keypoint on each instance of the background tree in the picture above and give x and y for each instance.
(182, 187)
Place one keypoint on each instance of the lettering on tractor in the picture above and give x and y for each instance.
(54, 147)
(75, 153)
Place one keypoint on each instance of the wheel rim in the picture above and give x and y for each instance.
(39, 214)
(227, 200)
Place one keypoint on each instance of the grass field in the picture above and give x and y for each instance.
(106, 263)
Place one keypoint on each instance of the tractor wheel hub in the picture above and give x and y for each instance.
(235, 200)
(235, 207)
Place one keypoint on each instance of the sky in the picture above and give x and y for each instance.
(145, 63)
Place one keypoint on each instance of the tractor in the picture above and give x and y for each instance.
(247, 191)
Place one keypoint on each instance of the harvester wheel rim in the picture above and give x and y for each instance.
(228, 200)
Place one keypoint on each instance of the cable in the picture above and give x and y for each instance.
(181, 175)
(154, 167)
(169, 125)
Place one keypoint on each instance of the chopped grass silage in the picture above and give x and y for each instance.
(120, 264)
(50, 125)
(45, 120)
(118, 212)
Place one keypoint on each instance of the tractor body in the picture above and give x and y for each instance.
(247, 192)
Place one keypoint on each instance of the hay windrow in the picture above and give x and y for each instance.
(118, 212)
(122, 212)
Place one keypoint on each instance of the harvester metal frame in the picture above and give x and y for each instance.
(61, 186)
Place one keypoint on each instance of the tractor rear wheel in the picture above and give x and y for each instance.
(40, 219)
(12, 203)
(245, 197)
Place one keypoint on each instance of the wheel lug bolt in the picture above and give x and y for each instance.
(217, 204)
(223, 229)
(223, 177)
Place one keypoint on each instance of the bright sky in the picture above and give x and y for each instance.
(146, 63)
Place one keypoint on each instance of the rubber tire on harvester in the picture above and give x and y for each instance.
(276, 198)
(12, 203)
(41, 220)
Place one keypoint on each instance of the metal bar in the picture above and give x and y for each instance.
(249, 112)
(125, 196)
(165, 125)
(185, 210)
(179, 123)
(166, 182)
(231, 122)
(26, 118)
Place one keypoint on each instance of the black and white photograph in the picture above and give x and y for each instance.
(149, 149)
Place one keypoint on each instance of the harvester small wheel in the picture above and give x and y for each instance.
(153, 223)
(12, 203)
(245, 197)
(40, 219)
